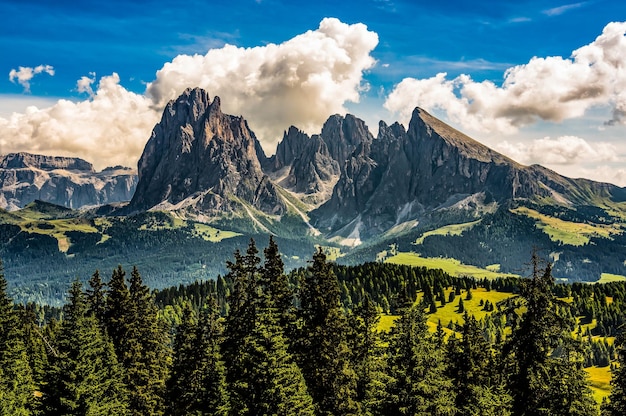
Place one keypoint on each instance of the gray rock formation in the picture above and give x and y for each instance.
(202, 161)
(403, 174)
(311, 166)
(65, 181)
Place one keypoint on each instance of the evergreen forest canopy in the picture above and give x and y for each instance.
(314, 342)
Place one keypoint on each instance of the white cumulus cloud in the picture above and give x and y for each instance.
(24, 74)
(301, 81)
(564, 150)
(83, 85)
(109, 129)
(551, 88)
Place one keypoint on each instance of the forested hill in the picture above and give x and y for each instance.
(374, 339)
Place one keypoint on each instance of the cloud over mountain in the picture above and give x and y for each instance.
(109, 129)
(551, 88)
(564, 150)
(300, 81)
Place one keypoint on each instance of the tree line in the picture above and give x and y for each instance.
(277, 348)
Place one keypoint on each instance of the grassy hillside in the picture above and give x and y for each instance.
(452, 229)
(451, 266)
(569, 232)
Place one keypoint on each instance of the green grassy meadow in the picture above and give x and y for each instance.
(608, 278)
(451, 266)
(567, 232)
(452, 229)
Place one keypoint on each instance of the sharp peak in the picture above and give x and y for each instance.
(473, 147)
(195, 95)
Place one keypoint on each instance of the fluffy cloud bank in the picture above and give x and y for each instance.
(564, 150)
(24, 74)
(109, 129)
(551, 88)
(300, 81)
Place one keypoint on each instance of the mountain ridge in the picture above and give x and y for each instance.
(66, 181)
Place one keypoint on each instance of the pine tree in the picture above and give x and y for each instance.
(35, 343)
(84, 376)
(197, 383)
(367, 356)
(117, 309)
(617, 399)
(244, 301)
(539, 381)
(182, 386)
(478, 389)
(419, 385)
(16, 379)
(274, 379)
(96, 298)
(276, 285)
(212, 399)
(322, 348)
(262, 375)
(145, 351)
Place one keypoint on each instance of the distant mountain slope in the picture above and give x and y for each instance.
(70, 182)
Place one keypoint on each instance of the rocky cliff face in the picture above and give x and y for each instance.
(402, 175)
(203, 161)
(70, 182)
(311, 166)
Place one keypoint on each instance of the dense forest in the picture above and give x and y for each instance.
(258, 341)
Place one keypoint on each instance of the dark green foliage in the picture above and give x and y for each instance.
(617, 399)
(84, 377)
(16, 380)
(541, 382)
(274, 381)
(418, 385)
(276, 285)
(197, 383)
(96, 298)
(319, 353)
(262, 375)
(182, 387)
(368, 356)
(144, 350)
(117, 309)
(323, 352)
(477, 385)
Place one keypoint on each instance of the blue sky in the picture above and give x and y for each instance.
(416, 40)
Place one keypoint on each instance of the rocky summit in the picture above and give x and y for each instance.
(65, 181)
(200, 161)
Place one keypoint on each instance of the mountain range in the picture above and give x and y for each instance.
(65, 181)
(426, 189)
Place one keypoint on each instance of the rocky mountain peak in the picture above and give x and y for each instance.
(406, 173)
(311, 166)
(201, 159)
(424, 126)
(289, 149)
(343, 134)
